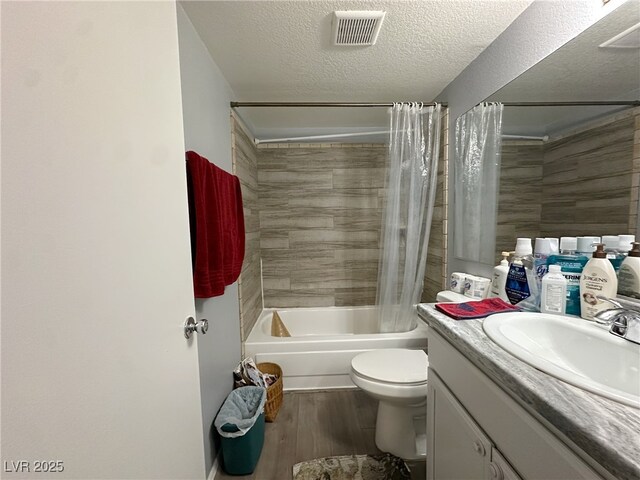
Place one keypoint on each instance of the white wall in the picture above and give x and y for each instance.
(207, 130)
(541, 29)
(96, 274)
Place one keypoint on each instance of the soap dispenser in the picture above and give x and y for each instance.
(500, 273)
(598, 279)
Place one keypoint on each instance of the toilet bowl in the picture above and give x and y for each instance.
(397, 378)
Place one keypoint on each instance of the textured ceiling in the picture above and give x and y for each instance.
(578, 71)
(282, 51)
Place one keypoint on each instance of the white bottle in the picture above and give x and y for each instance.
(629, 274)
(554, 291)
(522, 287)
(598, 279)
(500, 273)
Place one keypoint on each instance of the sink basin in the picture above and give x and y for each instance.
(573, 350)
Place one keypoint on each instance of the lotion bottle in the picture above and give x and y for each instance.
(629, 274)
(500, 273)
(554, 291)
(598, 278)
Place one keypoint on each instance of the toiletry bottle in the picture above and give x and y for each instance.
(586, 245)
(541, 253)
(571, 265)
(629, 274)
(624, 243)
(598, 279)
(554, 292)
(554, 244)
(521, 287)
(611, 243)
(500, 273)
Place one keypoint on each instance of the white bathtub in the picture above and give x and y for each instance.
(323, 341)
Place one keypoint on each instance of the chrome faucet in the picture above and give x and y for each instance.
(624, 319)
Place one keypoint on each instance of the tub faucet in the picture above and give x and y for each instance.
(624, 319)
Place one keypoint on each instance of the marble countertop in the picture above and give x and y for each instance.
(604, 429)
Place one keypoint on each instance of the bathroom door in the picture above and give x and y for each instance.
(98, 380)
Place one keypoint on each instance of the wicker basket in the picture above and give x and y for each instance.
(274, 392)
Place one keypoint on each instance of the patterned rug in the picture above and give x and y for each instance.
(353, 467)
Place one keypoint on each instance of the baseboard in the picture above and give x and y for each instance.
(214, 468)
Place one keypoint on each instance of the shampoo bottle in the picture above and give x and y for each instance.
(598, 279)
(500, 273)
(553, 298)
(629, 274)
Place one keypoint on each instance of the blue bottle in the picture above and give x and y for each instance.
(571, 265)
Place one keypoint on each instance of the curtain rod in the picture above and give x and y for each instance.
(321, 104)
(571, 104)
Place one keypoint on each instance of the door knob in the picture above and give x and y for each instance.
(190, 326)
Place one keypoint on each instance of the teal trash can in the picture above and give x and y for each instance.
(240, 424)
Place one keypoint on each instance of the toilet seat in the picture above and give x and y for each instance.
(396, 366)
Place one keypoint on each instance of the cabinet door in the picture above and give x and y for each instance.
(457, 449)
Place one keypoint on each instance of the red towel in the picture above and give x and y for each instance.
(476, 309)
(217, 226)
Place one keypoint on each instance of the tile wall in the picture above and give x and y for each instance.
(245, 166)
(520, 197)
(584, 182)
(320, 217)
(587, 180)
(635, 178)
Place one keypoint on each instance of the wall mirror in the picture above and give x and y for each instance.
(565, 169)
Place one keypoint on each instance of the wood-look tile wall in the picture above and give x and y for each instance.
(520, 196)
(435, 278)
(320, 220)
(635, 178)
(587, 181)
(245, 166)
(584, 182)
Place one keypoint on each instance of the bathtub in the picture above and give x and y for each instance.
(323, 341)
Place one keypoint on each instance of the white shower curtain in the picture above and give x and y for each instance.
(478, 142)
(414, 146)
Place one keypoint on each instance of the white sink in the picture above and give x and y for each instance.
(573, 350)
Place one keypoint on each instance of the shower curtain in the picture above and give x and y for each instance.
(476, 173)
(414, 145)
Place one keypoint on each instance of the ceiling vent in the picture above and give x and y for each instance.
(630, 38)
(353, 28)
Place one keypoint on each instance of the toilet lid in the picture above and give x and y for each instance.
(394, 365)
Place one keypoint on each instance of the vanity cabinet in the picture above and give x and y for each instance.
(477, 431)
(460, 449)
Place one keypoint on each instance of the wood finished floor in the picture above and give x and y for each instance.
(313, 425)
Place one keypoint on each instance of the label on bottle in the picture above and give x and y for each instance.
(628, 282)
(572, 266)
(596, 281)
(554, 298)
(517, 286)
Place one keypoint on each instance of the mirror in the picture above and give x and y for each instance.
(572, 170)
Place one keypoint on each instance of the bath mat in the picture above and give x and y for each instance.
(353, 467)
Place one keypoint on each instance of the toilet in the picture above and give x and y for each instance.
(397, 378)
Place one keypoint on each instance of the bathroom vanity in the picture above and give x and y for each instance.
(493, 416)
